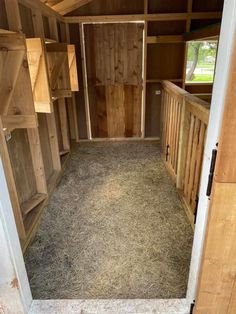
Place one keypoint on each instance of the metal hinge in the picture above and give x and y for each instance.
(211, 174)
(192, 307)
(196, 210)
(167, 151)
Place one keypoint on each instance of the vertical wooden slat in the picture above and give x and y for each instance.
(193, 158)
(37, 159)
(188, 156)
(199, 156)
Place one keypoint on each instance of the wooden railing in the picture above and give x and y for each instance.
(184, 124)
(172, 105)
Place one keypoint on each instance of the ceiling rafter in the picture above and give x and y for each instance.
(65, 6)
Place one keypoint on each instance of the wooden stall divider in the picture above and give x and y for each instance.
(183, 126)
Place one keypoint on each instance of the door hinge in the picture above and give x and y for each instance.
(192, 307)
(167, 151)
(211, 174)
(196, 210)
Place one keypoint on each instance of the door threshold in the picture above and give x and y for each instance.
(111, 306)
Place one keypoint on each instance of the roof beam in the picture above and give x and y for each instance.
(67, 6)
(143, 17)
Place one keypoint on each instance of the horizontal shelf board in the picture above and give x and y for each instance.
(35, 200)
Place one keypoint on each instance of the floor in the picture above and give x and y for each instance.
(114, 228)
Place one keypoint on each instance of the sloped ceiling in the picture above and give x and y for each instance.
(65, 6)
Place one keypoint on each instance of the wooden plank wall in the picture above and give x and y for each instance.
(163, 60)
(114, 72)
(22, 164)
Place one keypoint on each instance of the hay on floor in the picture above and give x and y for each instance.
(114, 228)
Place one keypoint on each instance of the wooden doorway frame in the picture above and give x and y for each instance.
(85, 79)
(14, 285)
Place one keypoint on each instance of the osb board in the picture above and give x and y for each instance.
(58, 125)
(22, 165)
(79, 96)
(45, 145)
(3, 15)
(153, 111)
(26, 21)
(199, 88)
(108, 7)
(167, 6)
(165, 61)
(209, 5)
(114, 53)
(115, 111)
(166, 28)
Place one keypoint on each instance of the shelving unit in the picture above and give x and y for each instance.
(19, 138)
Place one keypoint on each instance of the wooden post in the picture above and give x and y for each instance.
(183, 138)
(83, 60)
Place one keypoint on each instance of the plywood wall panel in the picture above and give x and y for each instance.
(46, 27)
(207, 6)
(108, 7)
(45, 145)
(166, 28)
(167, 6)
(58, 125)
(165, 61)
(26, 21)
(115, 111)
(153, 111)
(199, 88)
(22, 165)
(114, 53)
(3, 15)
(198, 24)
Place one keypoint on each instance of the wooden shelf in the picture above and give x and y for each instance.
(29, 205)
(53, 72)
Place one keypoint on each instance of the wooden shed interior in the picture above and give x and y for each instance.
(83, 81)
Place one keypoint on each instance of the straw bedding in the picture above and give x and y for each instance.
(114, 228)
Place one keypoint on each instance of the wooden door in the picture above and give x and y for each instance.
(114, 74)
(217, 284)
